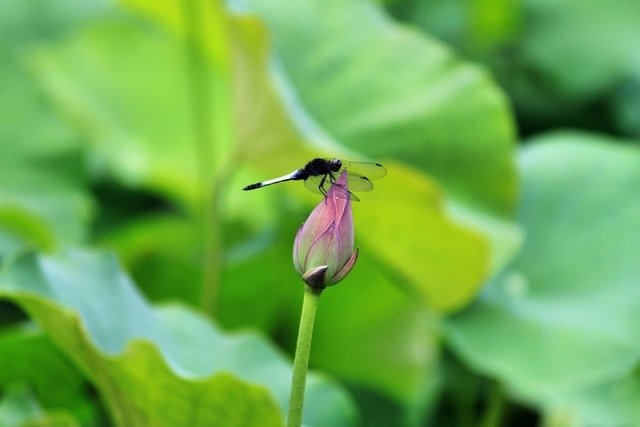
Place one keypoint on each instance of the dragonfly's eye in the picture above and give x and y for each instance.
(336, 162)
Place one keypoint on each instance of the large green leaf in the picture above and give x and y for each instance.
(408, 109)
(42, 195)
(109, 101)
(389, 345)
(574, 55)
(143, 127)
(608, 405)
(389, 348)
(406, 225)
(584, 47)
(474, 27)
(374, 338)
(432, 257)
(105, 80)
(572, 50)
(158, 367)
(561, 62)
(385, 91)
(26, 22)
(565, 315)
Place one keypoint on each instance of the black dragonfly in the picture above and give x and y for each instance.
(320, 174)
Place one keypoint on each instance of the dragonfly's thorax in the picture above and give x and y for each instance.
(318, 167)
(336, 164)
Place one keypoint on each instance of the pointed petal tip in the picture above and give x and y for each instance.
(315, 277)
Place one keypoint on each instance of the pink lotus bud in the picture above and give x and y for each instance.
(323, 252)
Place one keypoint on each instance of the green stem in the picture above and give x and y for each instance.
(464, 399)
(495, 407)
(200, 90)
(212, 262)
(301, 359)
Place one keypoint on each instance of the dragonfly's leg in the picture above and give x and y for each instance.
(322, 189)
(321, 186)
(346, 194)
(332, 179)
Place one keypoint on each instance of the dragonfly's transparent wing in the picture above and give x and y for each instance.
(368, 169)
(346, 194)
(357, 182)
(318, 184)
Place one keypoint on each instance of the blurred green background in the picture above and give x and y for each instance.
(498, 282)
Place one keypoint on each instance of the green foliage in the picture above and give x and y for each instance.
(563, 63)
(27, 356)
(19, 408)
(147, 362)
(572, 290)
(43, 199)
(363, 92)
(491, 275)
(409, 110)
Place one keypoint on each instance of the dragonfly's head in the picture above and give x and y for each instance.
(336, 164)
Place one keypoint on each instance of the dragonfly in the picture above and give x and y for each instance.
(320, 174)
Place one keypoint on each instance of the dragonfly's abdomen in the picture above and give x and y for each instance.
(253, 186)
(295, 175)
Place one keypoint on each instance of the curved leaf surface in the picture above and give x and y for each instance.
(371, 336)
(611, 404)
(43, 199)
(109, 101)
(104, 79)
(565, 315)
(582, 67)
(157, 367)
(388, 345)
(385, 91)
(405, 223)
(556, 59)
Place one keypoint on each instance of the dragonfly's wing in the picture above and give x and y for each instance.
(357, 182)
(319, 185)
(315, 184)
(368, 169)
(348, 194)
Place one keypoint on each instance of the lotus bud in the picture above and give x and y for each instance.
(323, 252)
